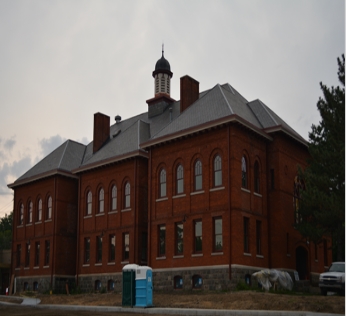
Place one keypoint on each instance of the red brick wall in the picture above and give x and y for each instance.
(60, 230)
(132, 221)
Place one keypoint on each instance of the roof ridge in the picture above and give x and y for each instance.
(62, 156)
(265, 108)
(230, 108)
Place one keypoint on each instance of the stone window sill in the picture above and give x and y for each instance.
(257, 194)
(27, 225)
(125, 210)
(245, 190)
(197, 192)
(161, 258)
(124, 262)
(178, 196)
(45, 267)
(48, 220)
(260, 256)
(197, 255)
(86, 265)
(38, 223)
(100, 214)
(87, 216)
(113, 212)
(216, 189)
(162, 199)
(111, 263)
(98, 264)
(247, 254)
(217, 253)
(178, 257)
(20, 226)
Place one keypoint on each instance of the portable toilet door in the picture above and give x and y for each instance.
(149, 287)
(129, 285)
(144, 287)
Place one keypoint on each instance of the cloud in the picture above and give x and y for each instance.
(50, 144)
(9, 143)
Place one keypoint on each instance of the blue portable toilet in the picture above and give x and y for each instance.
(144, 287)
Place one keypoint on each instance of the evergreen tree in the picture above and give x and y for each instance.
(6, 231)
(322, 206)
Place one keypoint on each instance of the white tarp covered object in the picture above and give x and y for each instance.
(267, 277)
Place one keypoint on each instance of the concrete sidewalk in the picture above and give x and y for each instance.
(26, 301)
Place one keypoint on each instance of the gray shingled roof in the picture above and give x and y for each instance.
(65, 158)
(127, 136)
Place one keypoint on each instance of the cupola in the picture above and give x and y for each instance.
(162, 75)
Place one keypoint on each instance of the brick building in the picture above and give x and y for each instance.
(204, 190)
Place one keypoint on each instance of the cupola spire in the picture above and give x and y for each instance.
(162, 75)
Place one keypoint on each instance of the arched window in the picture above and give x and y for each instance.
(101, 200)
(89, 203)
(111, 285)
(178, 282)
(127, 196)
(243, 172)
(29, 219)
(217, 171)
(114, 198)
(39, 211)
(163, 186)
(21, 214)
(180, 179)
(49, 208)
(256, 178)
(198, 175)
(197, 281)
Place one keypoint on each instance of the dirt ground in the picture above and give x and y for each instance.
(239, 300)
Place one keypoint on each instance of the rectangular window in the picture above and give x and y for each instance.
(144, 247)
(258, 237)
(27, 255)
(198, 236)
(98, 249)
(179, 238)
(87, 250)
(246, 235)
(162, 240)
(126, 246)
(37, 254)
(47, 253)
(111, 248)
(18, 255)
(218, 234)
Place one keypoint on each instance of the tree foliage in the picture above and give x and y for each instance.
(322, 207)
(6, 231)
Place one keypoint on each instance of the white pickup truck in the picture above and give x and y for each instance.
(334, 279)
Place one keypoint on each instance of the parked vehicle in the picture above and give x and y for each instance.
(334, 279)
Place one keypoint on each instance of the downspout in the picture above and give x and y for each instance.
(229, 205)
(149, 212)
(55, 210)
(14, 250)
(136, 221)
(78, 219)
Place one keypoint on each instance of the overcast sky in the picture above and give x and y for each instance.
(63, 61)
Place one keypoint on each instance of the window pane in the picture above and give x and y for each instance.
(111, 247)
(180, 179)
(89, 203)
(127, 195)
(217, 171)
(101, 201)
(179, 246)
(49, 209)
(243, 173)
(162, 240)
(198, 175)
(126, 246)
(163, 183)
(218, 234)
(39, 210)
(198, 236)
(99, 249)
(114, 197)
(86, 250)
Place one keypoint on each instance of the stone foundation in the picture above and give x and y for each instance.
(88, 283)
(42, 284)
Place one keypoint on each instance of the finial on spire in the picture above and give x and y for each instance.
(163, 49)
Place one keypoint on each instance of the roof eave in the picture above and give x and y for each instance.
(280, 128)
(111, 160)
(41, 176)
(227, 119)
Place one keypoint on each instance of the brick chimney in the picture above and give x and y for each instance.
(189, 92)
(101, 130)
